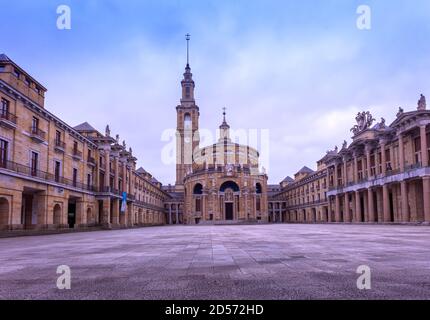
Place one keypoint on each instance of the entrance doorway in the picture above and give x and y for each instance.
(229, 211)
(71, 216)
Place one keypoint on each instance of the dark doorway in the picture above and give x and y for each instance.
(71, 216)
(391, 208)
(100, 215)
(229, 211)
(27, 211)
(361, 215)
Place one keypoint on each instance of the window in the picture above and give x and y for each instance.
(198, 205)
(75, 146)
(3, 153)
(89, 180)
(34, 163)
(16, 73)
(57, 137)
(57, 171)
(75, 176)
(27, 81)
(187, 92)
(2, 68)
(187, 121)
(34, 124)
(4, 107)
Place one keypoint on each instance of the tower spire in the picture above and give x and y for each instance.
(188, 37)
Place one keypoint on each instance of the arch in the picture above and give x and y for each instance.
(229, 185)
(4, 212)
(258, 188)
(198, 189)
(57, 214)
(187, 121)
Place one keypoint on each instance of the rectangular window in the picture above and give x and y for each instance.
(3, 153)
(34, 163)
(258, 204)
(57, 171)
(75, 177)
(75, 146)
(198, 205)
(57, 137)
(89, 181)
(16, 73)
(4, 107)
(2, 68)
(34, 124)
(187, 92)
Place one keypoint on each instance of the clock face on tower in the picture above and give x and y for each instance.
(187, 140)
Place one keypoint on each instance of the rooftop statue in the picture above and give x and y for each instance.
(422, 103)
(364, 121)
(107, 131)
(400, 112)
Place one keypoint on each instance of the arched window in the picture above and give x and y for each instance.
(229, 185)
(198, 189)
(187, 121)
(258, 188)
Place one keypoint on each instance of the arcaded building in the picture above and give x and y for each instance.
(54, 176)
(382, 176)
(220, 183)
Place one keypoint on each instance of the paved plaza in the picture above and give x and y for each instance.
(221, 262)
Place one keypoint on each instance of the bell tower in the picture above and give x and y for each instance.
(187, 114)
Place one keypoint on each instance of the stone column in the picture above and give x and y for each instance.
(337, 208)
(170, 213)
(335, 176)
(369, 174)
(177, 213)
(329, 210)
(357, 207)
(366, 206)
(383, 160)
(107, 169)
(116, 179)
(345, 172)
(386, 203)
(426, 195)
(371, 205)
(346, 213)
(405, 204)
(424, 146)
(124, 177)
(401, 154)
(379, 206)
(355, 168)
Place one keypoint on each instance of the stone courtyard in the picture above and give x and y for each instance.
(283, 261)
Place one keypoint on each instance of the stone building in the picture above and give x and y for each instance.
(382, 176)
(54, 175)
(220, 183)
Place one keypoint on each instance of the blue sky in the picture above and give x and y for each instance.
(301, 69)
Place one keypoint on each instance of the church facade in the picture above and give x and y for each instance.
(220, 183)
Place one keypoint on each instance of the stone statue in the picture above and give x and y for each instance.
(382, 124)
(364, 121)
(107, 131)
(123, 144)
(400, 112)
(117, 139)
(130, 150)
(345, 144)
(422, 103)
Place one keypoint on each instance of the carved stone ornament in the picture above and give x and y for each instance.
(364, 121)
